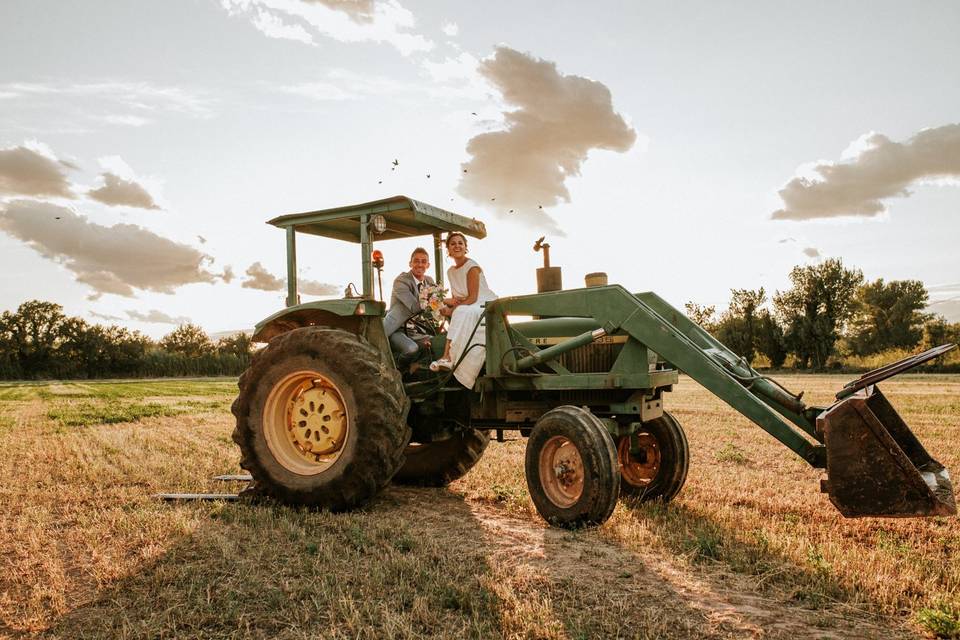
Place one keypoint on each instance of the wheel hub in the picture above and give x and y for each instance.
(317, 421)
(305, 422)
(640, 459)
(561, 471)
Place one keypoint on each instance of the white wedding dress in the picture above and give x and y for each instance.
(463, 321)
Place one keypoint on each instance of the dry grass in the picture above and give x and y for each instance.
(749, 549)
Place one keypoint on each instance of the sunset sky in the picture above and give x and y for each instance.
(682, 147)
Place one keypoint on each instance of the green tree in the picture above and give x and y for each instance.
(9, 362)
(35, 331)
(74, 350)
(816, 310)
(937, 331)
(188, 340)
(738, 326)
(705, 316)
(239, 345)
(888, 315)
(770, 339)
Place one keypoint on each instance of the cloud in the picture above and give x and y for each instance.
(451, 29)
(33, 170)
(126, 120)
(874, 170)
(386, 21)
(558, 119)
(272, 26)
(141, 97)
(119, 259)
(949, 289)
(341, 84)
(156, 317)
(811, 252)
(259, 278)
(119, 192)
(320, 91)
(314, 288)
(949, 309)
(104, 316)
(461, 68)
(357, 10)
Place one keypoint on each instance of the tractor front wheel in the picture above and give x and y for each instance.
(654, 461)
(571, 468)
(321, 420)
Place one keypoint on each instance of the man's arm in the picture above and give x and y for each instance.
(405, 294)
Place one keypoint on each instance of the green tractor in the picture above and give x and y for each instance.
(325, 419)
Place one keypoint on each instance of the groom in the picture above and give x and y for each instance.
(405, 303)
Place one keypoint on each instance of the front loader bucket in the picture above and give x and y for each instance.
(876, 466)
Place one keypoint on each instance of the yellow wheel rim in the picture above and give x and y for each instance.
(305, 422)
(561, 471)
(639, 470)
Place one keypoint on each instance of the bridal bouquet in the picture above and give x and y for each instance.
(431, 301)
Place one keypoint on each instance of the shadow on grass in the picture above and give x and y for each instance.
(416, 563)
(271, 571)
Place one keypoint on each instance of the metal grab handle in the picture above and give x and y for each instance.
(890, 370)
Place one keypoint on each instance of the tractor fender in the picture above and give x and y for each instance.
(351, 315)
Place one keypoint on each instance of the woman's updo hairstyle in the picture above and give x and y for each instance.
(453, 234)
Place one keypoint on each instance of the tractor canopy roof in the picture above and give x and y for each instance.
(405, 218)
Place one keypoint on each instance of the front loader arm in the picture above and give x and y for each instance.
(654, 323)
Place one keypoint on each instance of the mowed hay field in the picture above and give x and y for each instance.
(750, 548)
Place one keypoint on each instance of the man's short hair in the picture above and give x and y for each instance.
(419, 250)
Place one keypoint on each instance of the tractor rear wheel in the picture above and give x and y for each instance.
(571, 468)
(437, 464)
(659, 469)
(321, 421)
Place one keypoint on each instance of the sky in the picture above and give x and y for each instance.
(686, 148)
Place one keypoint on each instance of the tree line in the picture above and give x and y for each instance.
(829, 317)
(38, 341)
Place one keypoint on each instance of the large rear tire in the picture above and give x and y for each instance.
(659, 470)
(571, 468)
(321, 421)
(437, 464)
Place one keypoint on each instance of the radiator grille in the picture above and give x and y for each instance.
(592, 358)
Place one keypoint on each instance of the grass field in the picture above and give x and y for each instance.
(750, 548)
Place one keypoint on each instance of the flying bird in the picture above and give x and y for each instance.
(464, 170)
(492, 199)
(511, 210)
(428, 175)
(473, 113)
(202, 239)
(396, 162)
(539, 206)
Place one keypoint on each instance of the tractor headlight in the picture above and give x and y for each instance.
(378, 224)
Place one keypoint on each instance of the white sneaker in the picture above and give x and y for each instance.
(441, 365)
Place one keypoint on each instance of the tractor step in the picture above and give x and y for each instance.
(209, 497)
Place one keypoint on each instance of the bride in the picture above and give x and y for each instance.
(468, 290)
